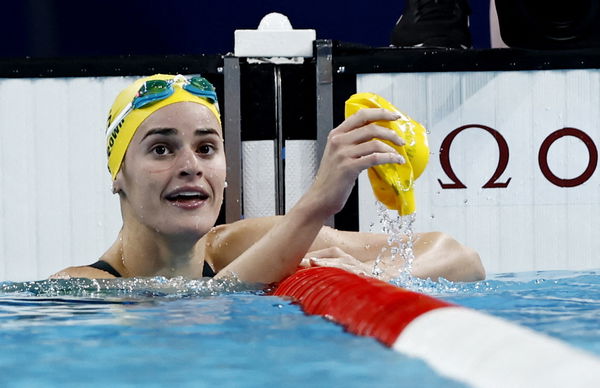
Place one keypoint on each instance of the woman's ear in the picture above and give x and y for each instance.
(116, 184)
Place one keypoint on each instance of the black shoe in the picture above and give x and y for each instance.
(433, 23)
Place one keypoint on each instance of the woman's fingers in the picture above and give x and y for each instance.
(363, 144)
(372, 147)
(366, 116)
(327, 252)
(348, 265)
(371, 131)
(335, 257)
(375, 159)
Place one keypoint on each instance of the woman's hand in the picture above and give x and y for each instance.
(336, 257)
(349, 151)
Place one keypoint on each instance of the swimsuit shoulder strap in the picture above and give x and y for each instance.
(104, 266)
(207, 271)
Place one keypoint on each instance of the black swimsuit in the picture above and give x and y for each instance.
(104, 266)
(207, 271)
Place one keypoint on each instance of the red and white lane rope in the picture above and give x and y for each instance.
(469, 346)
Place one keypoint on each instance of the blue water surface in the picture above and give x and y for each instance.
(158, 332)
(562, 304)
(177, 332)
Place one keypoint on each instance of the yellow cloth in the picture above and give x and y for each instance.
(118, 141)
(393, 184)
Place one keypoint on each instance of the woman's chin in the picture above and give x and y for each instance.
(183, 232)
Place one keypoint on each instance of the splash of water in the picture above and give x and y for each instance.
(158, 286)
(395, 261)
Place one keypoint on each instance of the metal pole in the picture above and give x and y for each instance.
(279, 146)
(233, 139)
(324, 78)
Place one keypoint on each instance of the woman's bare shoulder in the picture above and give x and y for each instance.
(83, 271)
(224, 243)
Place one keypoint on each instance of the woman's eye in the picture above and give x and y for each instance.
(206, 149)
(160, 150)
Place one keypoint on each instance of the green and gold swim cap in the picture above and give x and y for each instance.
(134, 104)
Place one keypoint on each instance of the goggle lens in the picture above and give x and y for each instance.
(201, 87)
(151, 91)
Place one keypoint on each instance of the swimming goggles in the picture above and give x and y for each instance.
(156, 90)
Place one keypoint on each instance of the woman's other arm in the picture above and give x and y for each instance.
(436, 254)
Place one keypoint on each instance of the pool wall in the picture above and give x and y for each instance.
(56, 206)
(513, 138)
(513, 162)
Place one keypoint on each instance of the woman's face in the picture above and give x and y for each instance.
(173, 174)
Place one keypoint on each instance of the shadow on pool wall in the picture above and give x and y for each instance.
(54, 28)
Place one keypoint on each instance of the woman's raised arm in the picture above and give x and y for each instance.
(349, 151)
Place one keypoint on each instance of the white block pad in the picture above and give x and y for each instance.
(255, 43)
(301, 166)
(258, 165)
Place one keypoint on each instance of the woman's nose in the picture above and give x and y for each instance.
(189, 163)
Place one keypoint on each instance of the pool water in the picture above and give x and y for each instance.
(562, 304)
(158, 332)
(177, 333)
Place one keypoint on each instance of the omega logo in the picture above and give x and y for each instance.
(504, 157)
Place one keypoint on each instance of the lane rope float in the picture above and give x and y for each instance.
(458, 342)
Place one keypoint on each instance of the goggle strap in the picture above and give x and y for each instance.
(128, 108)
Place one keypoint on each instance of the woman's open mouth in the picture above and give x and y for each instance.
(187, 199)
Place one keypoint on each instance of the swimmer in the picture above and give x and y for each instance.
(166, 158)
